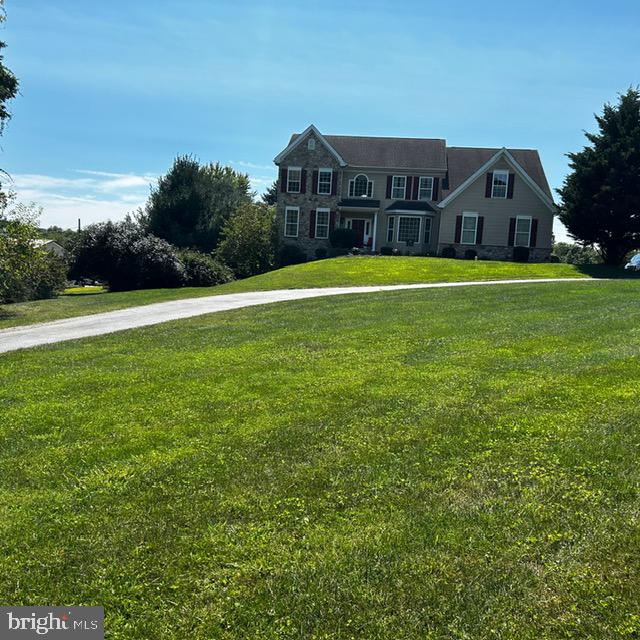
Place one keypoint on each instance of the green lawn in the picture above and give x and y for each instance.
(444, 464)
(322, 273)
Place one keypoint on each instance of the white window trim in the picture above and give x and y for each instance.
(404, 189)
(515, 233)
(352, 186)
(328, 170)
(419, 229)
(328, 212)
(391, 227)
(286, 214)
(469, 214)
(424, 230)
(289, 169)
(420, 187)
(493, 183)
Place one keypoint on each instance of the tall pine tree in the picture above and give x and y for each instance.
(601, 195)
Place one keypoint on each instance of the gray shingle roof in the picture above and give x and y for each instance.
(409, 205)
(409, 153)
(464, 161)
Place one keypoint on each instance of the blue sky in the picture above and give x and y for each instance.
(111, 92)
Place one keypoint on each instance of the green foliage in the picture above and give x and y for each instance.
(203, 270)
(247, 240)
(470, 254)
(291, 254)
(343, 238)
(126, 257)
(575, 253)
(191, 203)
(321, 253)
(26, 271)
(386, 251)
(601, 195)
(66, 238)
(270, 196)
(448, 252)
(452, 464)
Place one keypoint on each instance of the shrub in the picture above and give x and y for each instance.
(386, 251)
(553, 258)
(247, 244)
(521, 254)
(321, 253)
(448, 252)
(291, 254)
(125, 257)
(470, 254)
(203, 270)
(343, 238)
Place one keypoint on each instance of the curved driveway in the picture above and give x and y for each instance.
(100, 323)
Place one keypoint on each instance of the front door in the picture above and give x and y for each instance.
(358, 226)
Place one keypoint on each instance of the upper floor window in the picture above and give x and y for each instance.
(398, 187)
(360, 186)
(324, 181)
(322, 223)
(294, 176)
(499, 184)
(291, 218)
(425, 188)
(523, 232)
(469, 228)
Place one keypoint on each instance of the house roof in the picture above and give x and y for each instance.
(410, 205)
(407, 153)
(464, 161)
(359, 203)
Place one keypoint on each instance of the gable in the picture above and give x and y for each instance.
(298, 139)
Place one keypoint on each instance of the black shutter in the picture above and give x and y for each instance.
(312, 223)
(510, 186)
(488, 185)
(534, 232)
(458, 229)
(479, 229)
(334, 183)
(408, 187)
(512, 231)
(283, 180)
(314, 183)
(436, 184)
(389, 179)
(303, 181)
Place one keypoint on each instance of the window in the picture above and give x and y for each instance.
(425, 190)
(469, 228)
(409, 230)
(322, 223)
(291, 216)
(360, 186)
(499, 184)
(311, 144)
(398, 187)
(427, 230)
(523, 232)
(293, 179)
(324, 181)
(390, 225)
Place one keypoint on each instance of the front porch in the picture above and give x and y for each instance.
(361, 215)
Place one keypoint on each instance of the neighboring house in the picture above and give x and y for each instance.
(412, 194)
(51, 246)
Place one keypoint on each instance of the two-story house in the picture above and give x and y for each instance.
(416, 195)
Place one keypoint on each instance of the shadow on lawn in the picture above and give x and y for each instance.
(607, 271)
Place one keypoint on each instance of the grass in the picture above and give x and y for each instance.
(322, 273)
(448, 464)
(84, 291)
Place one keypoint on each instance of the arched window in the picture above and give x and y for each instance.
(360, 186)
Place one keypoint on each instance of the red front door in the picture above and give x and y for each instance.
(358, 227)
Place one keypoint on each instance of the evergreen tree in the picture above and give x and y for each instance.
(601, 195)
(270, 196)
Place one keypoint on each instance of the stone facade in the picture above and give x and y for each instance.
(309, 160)
(490, 252)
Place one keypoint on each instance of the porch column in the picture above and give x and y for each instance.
(375, 230)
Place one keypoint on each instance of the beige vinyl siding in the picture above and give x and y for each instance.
(497, 212)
